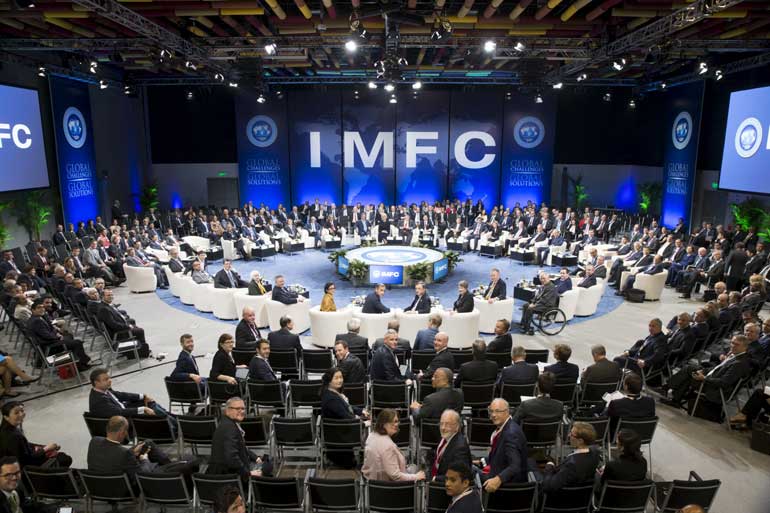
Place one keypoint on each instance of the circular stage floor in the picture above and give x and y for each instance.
(394, 255)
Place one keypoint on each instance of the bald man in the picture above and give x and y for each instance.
(443, 356)
(444, 397)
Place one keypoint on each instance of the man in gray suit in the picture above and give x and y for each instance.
(444, 398)
(542, 407)
(94, 260)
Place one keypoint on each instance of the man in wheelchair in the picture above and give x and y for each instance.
(545, 299)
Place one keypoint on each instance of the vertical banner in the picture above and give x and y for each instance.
(474, 145)
(422, 147)
(75, 149)
(316, 143)
(368, 166)
(528, 139)
(263, 151)
(681, 151)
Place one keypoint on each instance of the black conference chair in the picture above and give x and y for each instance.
(110, 488)
(624, 497)
(569, 499)
(392, 497)
(512, 498)
(277, 494)
(164, 490)
(338, 495)
(207, 486)
(673, 496)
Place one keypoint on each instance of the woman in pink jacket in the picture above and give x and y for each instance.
(383, 460)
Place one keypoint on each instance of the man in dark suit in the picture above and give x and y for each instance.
(712, 274)
(228, 278)
(350, 365)
(373, 302)
(384, 365)
(119, 325)
(735, 265)
(186, 367)
(589, 280)
(8, 264)
(453, 447)
(545, 298)
(105, 402)
(284, 295)
(478, 370)
(421, 302)
(654, 268)
(633, 405)
(259, 366)
(12, 497)
(48, 335)
(353, 339)
(542, 408)
(519, 371)
(444, 397)
(648, 352)
(285, 339)
(496, 290)
(424, 338)
(503, 342)
(443, 356)
(564, 371)
(246, 333)
(459, 486)
(682, 340)
(229, 454)
(508, 454)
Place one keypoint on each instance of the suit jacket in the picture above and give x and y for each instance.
(442, 359)
(652, 349)
(588, 281)
(470, 503)
(632, 407)
(456, 451)
(222, 282)
(603, 371)
(107, 457)
(334, 406)
(373, 304)
(112, 319)
(254, 288)
(508, 455)
(564, 371)
(43, 330)
(352, 369)
(519, 372)
(285, 339)
(176, 265)
(246, 336)
(546, 296)
(420, 303)
(563, 286)
(500, 344)
(101, 405)
(681, 342)
(575, 469)
(434, 404)
(539, 409)
(424, 339)
(384, 366)
(726, 375)
(735, 265)
(464, 303)
(476, 371)
(185, 365)
(282, 295)
(499, 290)
(229, 454)
(222, 365)
(260, 370)
(354, 340)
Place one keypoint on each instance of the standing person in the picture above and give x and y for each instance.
(459, 486)
(383, 459)
(452, 449)
(508, 452)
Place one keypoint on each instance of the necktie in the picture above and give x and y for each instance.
(489, 292)
(115, 399)
(261, 287)
(13, 500)
(230, 277)
(195, 364)
(439, 454)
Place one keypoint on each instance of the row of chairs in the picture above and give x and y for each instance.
(267, 494)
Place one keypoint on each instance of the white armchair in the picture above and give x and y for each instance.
(223, 303)
(228, 250)
(257, 303)
(299, 313)
(588, 300)
(373, 326)
(202, 294)
(490, 313)
(186, 290)
(410, 323)
(140, 279)
(160, 254)
(568, 303)
(325, 326)
(555, 250)
(651, 284)
(197, 243)
(173, 280)
(463, 328)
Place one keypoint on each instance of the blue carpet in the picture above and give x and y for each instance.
(313, 269)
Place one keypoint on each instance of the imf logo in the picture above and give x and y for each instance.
(261, 131)
(74, 125)
(681, 132)
(529, 132)
(748, 137)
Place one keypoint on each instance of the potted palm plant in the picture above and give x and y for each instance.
(33, 211)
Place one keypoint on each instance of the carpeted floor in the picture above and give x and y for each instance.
(312, 269)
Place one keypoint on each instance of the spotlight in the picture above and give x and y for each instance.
(662, 85)
(25, 4)
(372, 85)
(102, 84)
(417, 85)
(271, 48)
(558, 85)
(607, 96)
(389, 87)
(190, 65)
(619, 65)
(233, 84)
(219, 76)
(165, 53)
(582, 77)
(190, 96)
(519, 46)
(92, 67)
(703, 68)
(718, 74)
(393, 99)
(41, 71)
(490, 46)
(632, 104)
(351, 46)
(538, 98)
(261, 98)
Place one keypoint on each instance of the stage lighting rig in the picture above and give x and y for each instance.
(103, 84)
(619, 64)
(417, 85)
(703, 68)
(271, 48)
(558, 85)
(631, 103)
(351, 46)
(190, 65)
(519, 46)
(442, 28)
(41, 71)
(372, 84)
(582, 77)
(718, 74)
(261, 98)
(93, 66)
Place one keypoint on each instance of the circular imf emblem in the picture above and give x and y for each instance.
(394, 256)
(74, 125)
(682, 130)
(261, 131)
(529, 132)
(748, 137)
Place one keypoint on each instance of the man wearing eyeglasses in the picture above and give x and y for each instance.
(229, 454)
(508, 452)
(12, 498)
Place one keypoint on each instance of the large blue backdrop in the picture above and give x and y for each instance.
(345, 147)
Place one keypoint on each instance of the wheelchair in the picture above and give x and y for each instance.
(550, 322)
